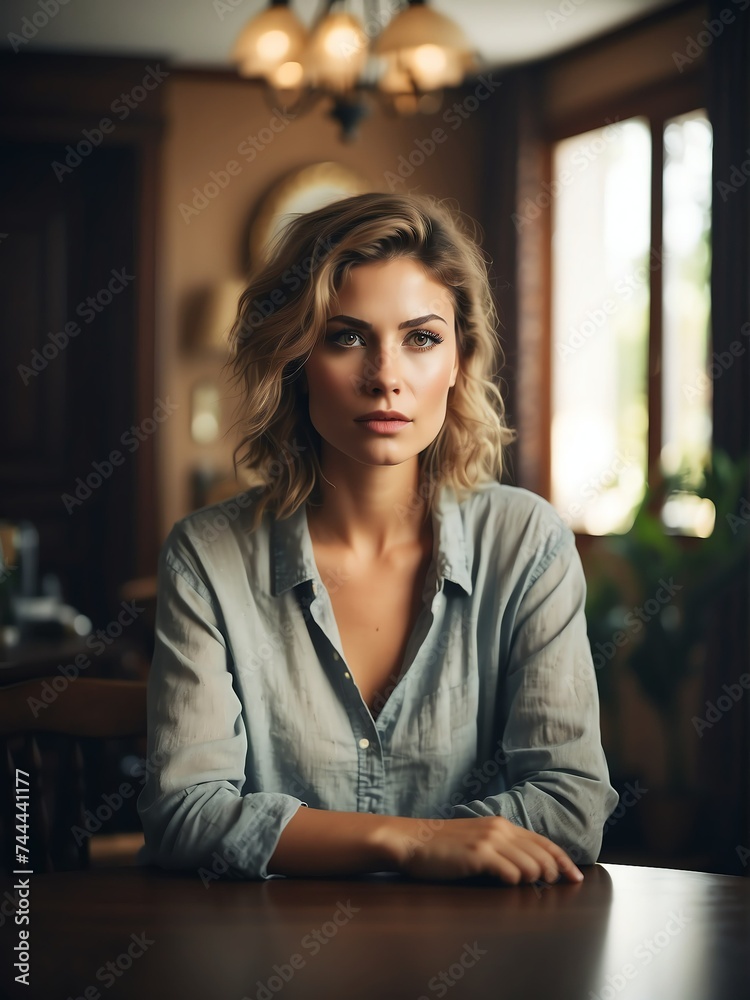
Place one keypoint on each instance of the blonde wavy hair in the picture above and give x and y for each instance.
(282, 314)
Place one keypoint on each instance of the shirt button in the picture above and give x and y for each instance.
(347, 674)
(364, 743)
(336, 656)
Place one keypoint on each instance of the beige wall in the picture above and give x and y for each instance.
(208, 118)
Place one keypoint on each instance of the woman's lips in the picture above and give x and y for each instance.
(384, 426)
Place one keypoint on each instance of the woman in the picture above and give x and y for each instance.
(379, 630)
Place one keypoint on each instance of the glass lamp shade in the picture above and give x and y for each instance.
(270, 41)
(432, 73)
(394, 78)
(425, 47)
(288, 76)
(337, 53)
(401, 94)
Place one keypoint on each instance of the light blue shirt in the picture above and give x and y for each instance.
(253, 712)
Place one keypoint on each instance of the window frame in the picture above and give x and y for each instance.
(658, 103)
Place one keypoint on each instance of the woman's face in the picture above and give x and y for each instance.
(389, 344)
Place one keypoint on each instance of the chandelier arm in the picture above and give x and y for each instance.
(307, 100)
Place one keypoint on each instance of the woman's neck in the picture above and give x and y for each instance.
(369, 510)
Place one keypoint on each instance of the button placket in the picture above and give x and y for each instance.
(371, 783)
(370, 763)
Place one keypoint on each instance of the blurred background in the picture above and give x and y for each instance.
(149, 151)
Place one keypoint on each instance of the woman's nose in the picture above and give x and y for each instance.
(382, 369)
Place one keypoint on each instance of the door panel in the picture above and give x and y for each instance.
(67, 357)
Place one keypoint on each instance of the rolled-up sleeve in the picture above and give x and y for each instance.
(554, 766)
(193, 812)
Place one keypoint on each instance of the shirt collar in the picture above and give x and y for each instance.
(294, 559)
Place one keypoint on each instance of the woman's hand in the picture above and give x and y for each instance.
(487, 845)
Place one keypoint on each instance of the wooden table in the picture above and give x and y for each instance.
(45, 657)
(625, 932)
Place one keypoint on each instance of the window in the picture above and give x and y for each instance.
(630, 319)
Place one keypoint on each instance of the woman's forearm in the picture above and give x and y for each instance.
(325, 842)
(319, 842)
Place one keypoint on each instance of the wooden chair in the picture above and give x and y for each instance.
(142, 633)
(79, 711)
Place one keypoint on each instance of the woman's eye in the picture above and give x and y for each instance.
(427, 339)
(335, 339)
(431, 338)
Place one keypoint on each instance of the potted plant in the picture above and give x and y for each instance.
(651, 595)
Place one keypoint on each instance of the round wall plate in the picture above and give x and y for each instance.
(303, 190)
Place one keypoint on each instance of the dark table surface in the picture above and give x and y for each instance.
(624, 932)
(35, 658)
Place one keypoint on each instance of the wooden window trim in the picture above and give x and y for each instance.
(657, 103)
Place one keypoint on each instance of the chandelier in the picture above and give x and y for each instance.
(405, 53)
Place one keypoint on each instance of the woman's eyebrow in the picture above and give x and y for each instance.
(368, 326)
